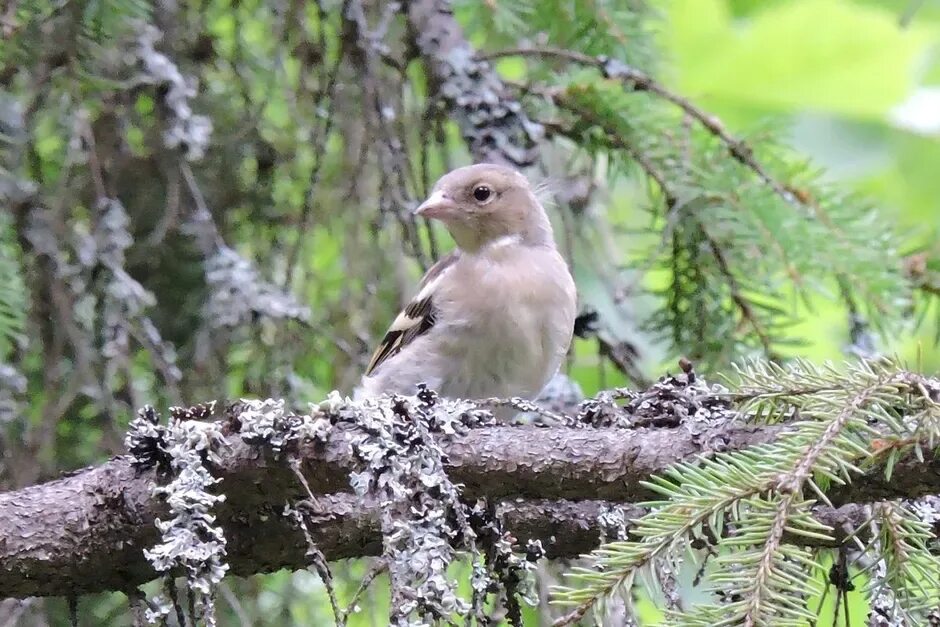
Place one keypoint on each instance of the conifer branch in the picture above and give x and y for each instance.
(637, 80)
(909, 572)
(713, 206)
(746, 501)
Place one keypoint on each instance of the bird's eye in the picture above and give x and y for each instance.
(482, 193)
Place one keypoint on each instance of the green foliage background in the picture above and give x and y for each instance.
(829, 77)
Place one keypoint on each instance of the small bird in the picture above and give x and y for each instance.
(493, 318)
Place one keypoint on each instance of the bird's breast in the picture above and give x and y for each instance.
(508, 327)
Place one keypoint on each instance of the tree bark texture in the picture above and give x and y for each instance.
(493, 124)
(86, 531)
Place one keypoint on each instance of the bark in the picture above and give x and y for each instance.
(492, 123)
(86, 531)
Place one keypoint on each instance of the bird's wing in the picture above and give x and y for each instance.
(416, 319)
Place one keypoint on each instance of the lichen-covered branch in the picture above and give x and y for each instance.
(493, 124)
(86, 532)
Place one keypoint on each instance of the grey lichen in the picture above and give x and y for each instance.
(145, 440)
(110, 307)
(927, 508)
(422, 518)
(183, 129)
(491, 123)
(561, 395)
(12, 389)
(613, 523)
(396, 442)
(191, 543)
(666, 573)
(184, 449)
(112, 237)
(266, 421)
(684, 399)
(67, 259)
(508, 569)
(884, 611)
(125, 302)
(238, 294)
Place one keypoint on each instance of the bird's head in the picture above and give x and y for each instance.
(482, 203)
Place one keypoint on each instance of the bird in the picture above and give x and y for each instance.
(495, 317)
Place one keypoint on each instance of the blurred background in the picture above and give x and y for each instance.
(211, 200)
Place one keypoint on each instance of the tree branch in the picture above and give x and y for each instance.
(491, 122)
(86, 532)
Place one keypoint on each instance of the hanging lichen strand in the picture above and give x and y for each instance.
(400, 475)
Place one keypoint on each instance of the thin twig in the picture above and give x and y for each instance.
(738, 298)
(138, 604)
(191, 605)
(740, 150)
(671, 202)
(8, 22)
(202, 216)
(393, 160)
(574, 615)
(169, 584)
(94, 163)
(313, 552)
(909, 11)
(327, 91)
(522, 405)
(378, 567)
(234, 603)
(428, 120)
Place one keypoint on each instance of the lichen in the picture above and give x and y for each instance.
(238, 294)
(190, 541)
(490, 122)
(396, 442)
(493, 124)
(613, 523)
(12, 389)
(266, 421)
(684, 399)
(422, 518)
(508, 570)
(145, 440)
(183, 129)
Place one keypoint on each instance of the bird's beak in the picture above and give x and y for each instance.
(438, 205)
